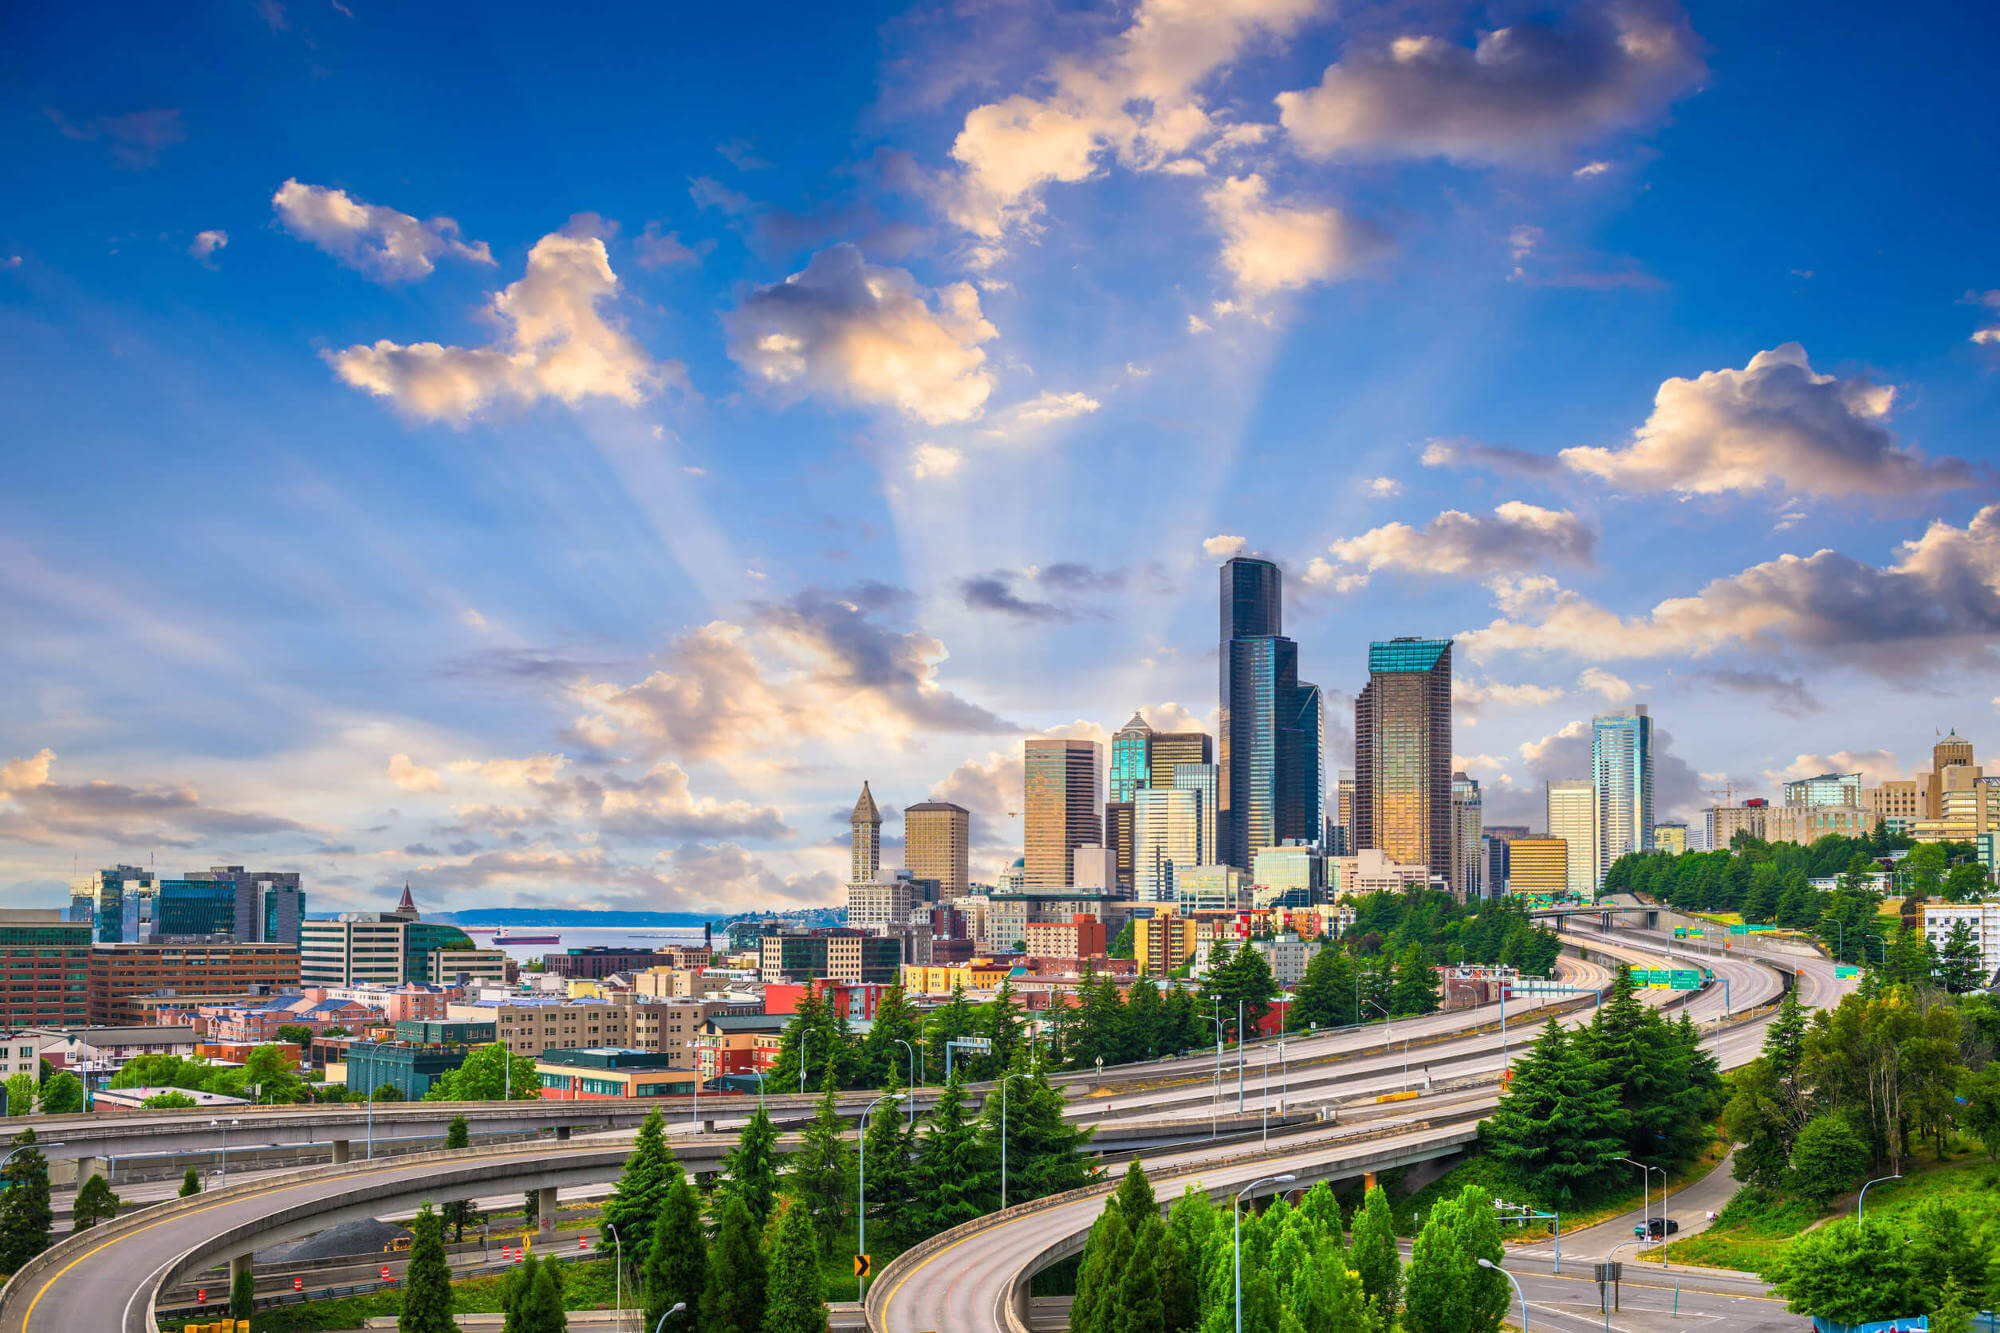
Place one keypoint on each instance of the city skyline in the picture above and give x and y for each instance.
(521, 508)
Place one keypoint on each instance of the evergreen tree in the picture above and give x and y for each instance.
(1106, 1255)
(1558, 1126)
(821, 1172)
(1180, 1297)
(636, 1199)
(1959, 968)
(25, 1214)
(1000, 1023)
(1373, 1248)
(190, 1183)
(826, 1044)
(956, 1171)
(243, 1296)
(954, 1020)
(732, 1295)
(1447, 1290)
(1416, 987)
(752, 1166)
(1098, 1028)
(1143, 1015)
(1140, 1298)
(796, 1300)
(542, 1304)
(677, 1259)
(1044, 1150)
(894, 1022)
(94, 1203)
(890, 1173)
(1127, 943)
(1325, 995)
(427, 1296)
(531, 1207)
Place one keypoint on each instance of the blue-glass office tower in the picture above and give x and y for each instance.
(1271, 774)
(1621, 761)
(1131, 759)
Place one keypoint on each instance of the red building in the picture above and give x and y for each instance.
(1082, 936)
(852, 1000)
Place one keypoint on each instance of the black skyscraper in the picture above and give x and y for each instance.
(1270, 736)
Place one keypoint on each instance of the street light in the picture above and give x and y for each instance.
(1215, 1096)
(1239, 1057)
(861, 1202)
(1005, 1079)
(803, 1034)
(1488, 1263)
(225, 1128)
(1645, 1212)
(1862, 1203)
(618, 1267)
(913, 1078)
(1236, 1211)
(678, 1307)
(1385, 1023)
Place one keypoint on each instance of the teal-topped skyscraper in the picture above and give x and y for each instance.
(1621, 765)
(1271, 777)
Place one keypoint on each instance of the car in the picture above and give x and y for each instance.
(1653, 1228)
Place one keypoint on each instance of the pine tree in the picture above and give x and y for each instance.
(1106, 1255)
(635, 1201)
(94, 1203)
(243, 1295)
(677, 1260)
(1557, 1127)
(1416, 986)
(890, 1174)
(796, 1300)
(190, 1183)
(542, 1304)
(1180, 1297)
(956, 1174)
(1140, 1303)
(952, 1021)
(732, 1293)
(25, 1214)
(821, 1172)
(1447, 1290)
(1143, 1014)
(1044, 1150)
(894, 1022)
(752, 1166)
(1000, 1023)
(427, 1298)
(1374, 1253)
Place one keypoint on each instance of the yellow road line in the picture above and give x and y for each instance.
(58, 1275)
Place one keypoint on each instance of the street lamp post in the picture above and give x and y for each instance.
(861, 1200)
(1239, 1057)
(1488, 1263)
(913, 1078)
(1385, 1023)
(225, 1127)
(1861, 1204)
(371, 1118)
(678, 1307)
(618, 1268)
(1215, 1096)
(694, 1124)
(1236, 1210)
(803, 1034)
(1005, 1079)
(1264, 1098)
(1645, 1181)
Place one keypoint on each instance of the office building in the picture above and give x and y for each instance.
(1271, 779)
(1981, 919)
(1496, 837)
(44, 969)
(1288, 956)
(1904, 802)
(1131, 759)
(1082, 936)
(1722, 823)
(864, 839)
(1670, 838)
(887, 905)
(1121, 833)
(1954, 751)
(1538, 867)
(1468, 863)
(1163, 942)
(1342, 823)
(127, 905)
(601, 1073)
(841, 954)
(937, 839)
(1966, 806)
(1572, 807)
(410, 1070)
(1168, 750)
(1402, 754)
(1372, 871)
(1293, 875)
(1621, 755)
(1211, 889)
(384, 949)
(1063, 807)
(1807, 824)
(120, 975)
(1167, 826)
(1205, 781)
(1094, 869)
(1824, 789)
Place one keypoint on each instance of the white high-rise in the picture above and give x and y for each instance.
(1166, 835)
(1573, 818)
(1621, 758)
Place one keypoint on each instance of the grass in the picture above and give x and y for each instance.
(1755, 1228)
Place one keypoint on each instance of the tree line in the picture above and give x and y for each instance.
(1300, 1271)
(1630, 1084)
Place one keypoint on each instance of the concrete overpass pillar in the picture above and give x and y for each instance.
(237, 1266)
(545, 1211)
(342, 1150)
(86, 1167)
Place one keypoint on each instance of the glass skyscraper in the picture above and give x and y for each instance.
(1270, 772)
(1402, 754)
(1621, 761)
(1131, 759)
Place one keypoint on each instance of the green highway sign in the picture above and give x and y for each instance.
(1739, 929)
(1844, 971)
(1685, 980)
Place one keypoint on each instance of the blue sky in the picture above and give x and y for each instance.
(555, 462)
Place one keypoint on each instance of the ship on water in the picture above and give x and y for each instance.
(503, 935)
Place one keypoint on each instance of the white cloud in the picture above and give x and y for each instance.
(1222, 547)
(1049, 406)
(1132, 101)
(1874, 766)
(1589, 169)
(1990, 334)
(1269, 247)
(1939, 596)
(1196, 324)
(555, 343)
(206, 243)
(1518, 536)
(1601, 682)
(411, 776)
(19, 775)
(1479, 763)
(1384, 487)
(471, 619)
(929, 461)
(1470, 697)
(1774, 424)
(1537, 752)
(533, 771)
(381, 242)
(1527, 92)
(867, 334)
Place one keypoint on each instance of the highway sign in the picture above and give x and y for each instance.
(1683, 980)
(1762, 930)
(1739, 929)
(975, 1043)
(1844, 971)
(862, 1265)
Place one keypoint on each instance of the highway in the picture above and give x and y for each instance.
(969, 1279)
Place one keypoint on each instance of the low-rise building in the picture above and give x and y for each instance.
(853, 1002)
(1371, 870)
(840, 953)
(1288, 956)
(975, 974)
(1082, 936)
(1983, 921)
(121, 974)
(1538, 867)
(609, 1073)
(1163, 942)
(599, 960)
(738, 1044)
(135, 1099)
(410, 1070)
(1807, 824)
(44, 969)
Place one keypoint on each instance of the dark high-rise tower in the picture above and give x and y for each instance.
(1271, 783)
(1402, 754)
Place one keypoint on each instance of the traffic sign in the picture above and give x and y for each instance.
(1685, 980)
(863, 1266)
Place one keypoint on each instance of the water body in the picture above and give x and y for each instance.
(586, 937)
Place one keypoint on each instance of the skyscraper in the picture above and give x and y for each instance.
(1131, 764)
(1170, 749)
(1621, 761)
(1205, 780)
(1271, 776)
(1467, 880)
(1118, 836)
(1573, 818)
(937, 837)
(864, 839)
(1402, 754)
(1063, 795)
(1167, 839)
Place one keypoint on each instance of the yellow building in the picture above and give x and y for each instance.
(1537, 866)
(1163, 943)
(1670, 838)
(978, 974)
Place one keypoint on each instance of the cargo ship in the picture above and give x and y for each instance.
(505, 936)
